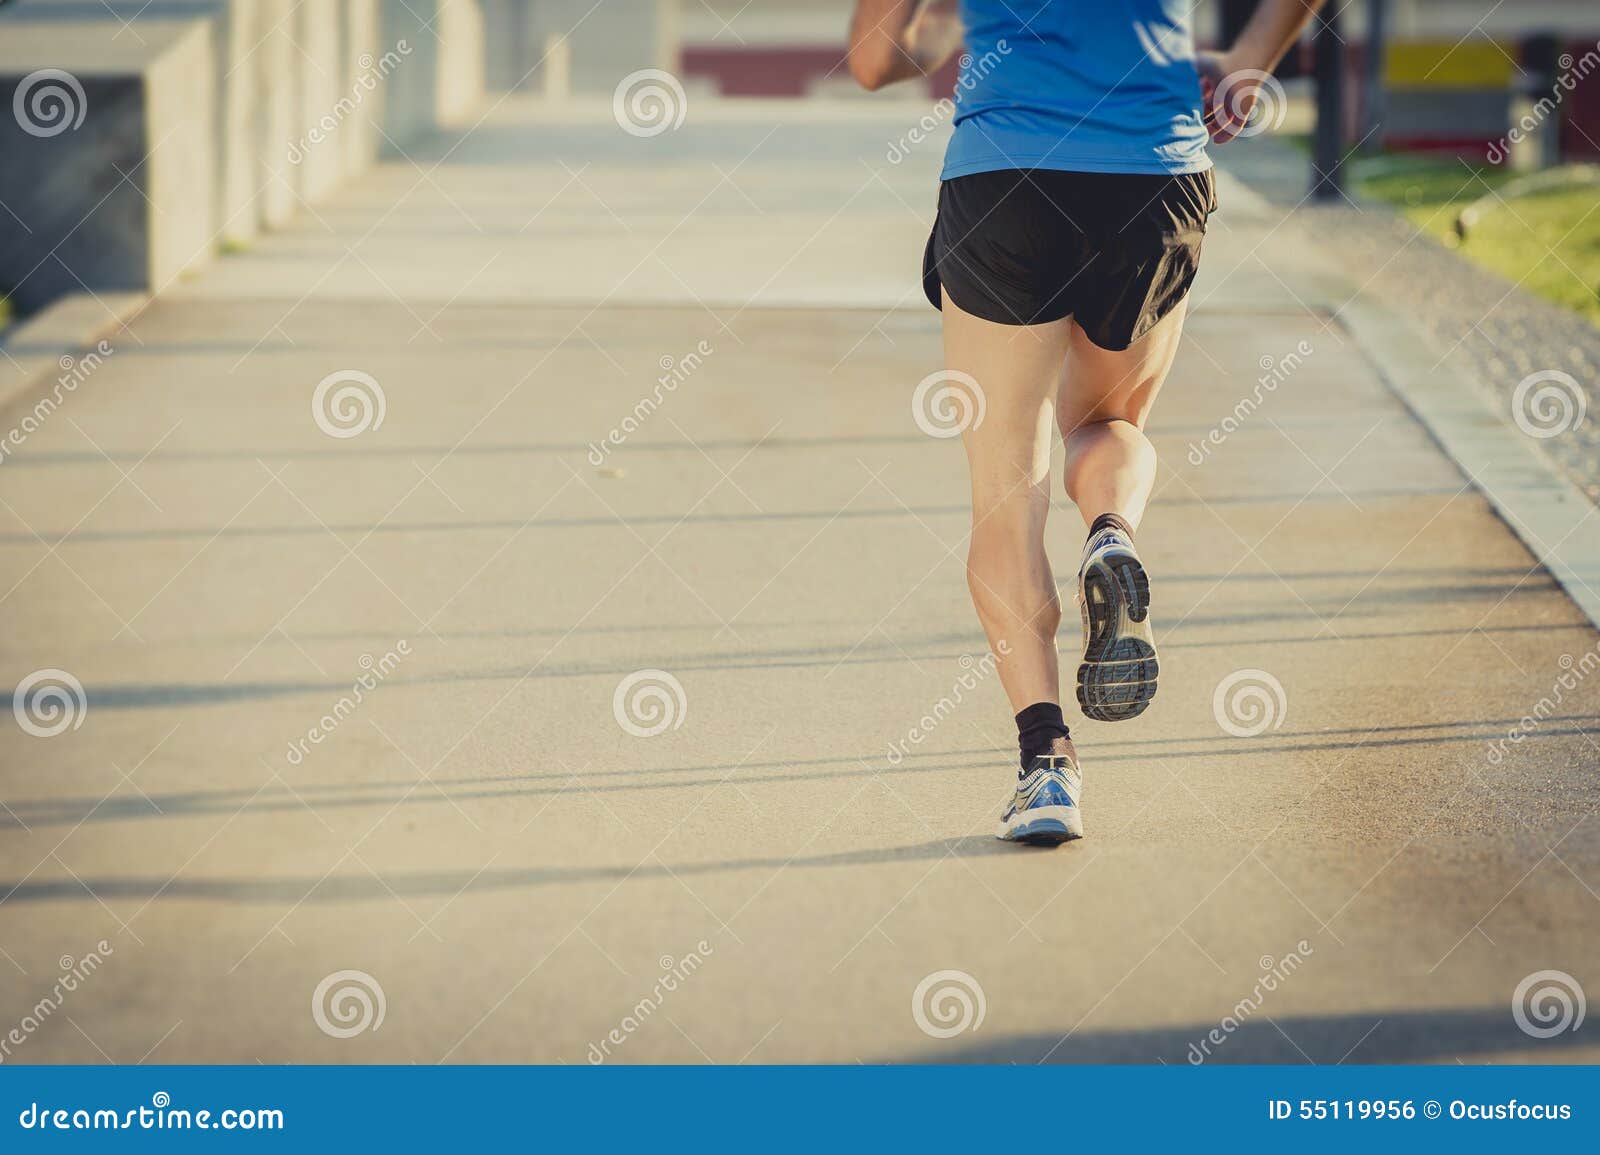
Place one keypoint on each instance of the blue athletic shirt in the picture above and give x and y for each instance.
(1078, 86)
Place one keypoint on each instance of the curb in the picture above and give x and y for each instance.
(1529, 493)
(34, 353)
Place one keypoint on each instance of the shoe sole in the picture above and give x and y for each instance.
(1117, 679)
(1045, 826)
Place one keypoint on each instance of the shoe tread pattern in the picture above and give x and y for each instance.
(1118, 676)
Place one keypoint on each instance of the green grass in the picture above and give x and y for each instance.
(1546, 241)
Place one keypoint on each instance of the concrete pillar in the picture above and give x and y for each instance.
(317, 36)
(365, 66)
(440, 81)
(507, 43)
(235, 29)
(278, 106)
(112, 167)
(598, 46)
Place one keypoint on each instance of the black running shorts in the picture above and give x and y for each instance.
(1115, 251)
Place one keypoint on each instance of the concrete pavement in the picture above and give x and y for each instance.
(481, 836)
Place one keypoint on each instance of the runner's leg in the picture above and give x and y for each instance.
(1110, 470)
(1104, 400)
(1019, 368)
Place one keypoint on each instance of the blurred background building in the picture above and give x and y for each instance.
(148, 134)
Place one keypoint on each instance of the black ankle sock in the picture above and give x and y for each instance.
(1037, 727)
(1111, 520)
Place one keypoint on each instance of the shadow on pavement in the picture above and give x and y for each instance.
(414, 884)
(1429, 1036)
(76, 811)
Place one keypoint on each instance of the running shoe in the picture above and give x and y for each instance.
(1117, 679)
(1044, 810)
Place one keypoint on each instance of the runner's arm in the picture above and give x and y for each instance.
(1228, 80)
(894, 40)
(1271, 29)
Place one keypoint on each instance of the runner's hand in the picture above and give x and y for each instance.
(934, 36)
(1228, 92)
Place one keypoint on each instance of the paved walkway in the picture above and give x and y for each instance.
(519, 874)
(1478, 323)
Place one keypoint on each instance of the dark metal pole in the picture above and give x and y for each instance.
(1373, 96)
(1327, 165)
(1232, 15)
(1541, 57)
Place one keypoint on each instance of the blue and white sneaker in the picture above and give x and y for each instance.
(1117, 678)
(1044, 811)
